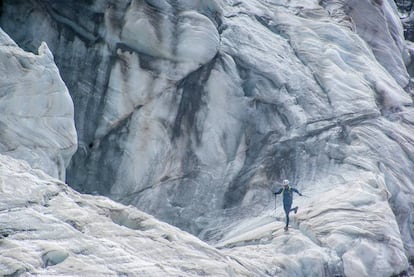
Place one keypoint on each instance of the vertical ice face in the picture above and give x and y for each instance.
(156, 48)
(378, 23)
(191, 110)
(37, 110)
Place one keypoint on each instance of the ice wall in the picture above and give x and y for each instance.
(192, 110)
(37, 121)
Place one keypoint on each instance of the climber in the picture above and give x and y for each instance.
(287, 193)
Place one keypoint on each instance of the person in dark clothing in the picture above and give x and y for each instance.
(287, 193)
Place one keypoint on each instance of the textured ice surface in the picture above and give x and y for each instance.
(197, 132)
(36, 109)
(47, 229)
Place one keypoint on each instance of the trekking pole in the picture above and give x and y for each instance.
(275, 201)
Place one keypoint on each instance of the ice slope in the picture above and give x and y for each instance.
(313, 91)
(47, 229)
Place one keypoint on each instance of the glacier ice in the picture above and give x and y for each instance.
(191, 110)
(37, 111)
(47, 229)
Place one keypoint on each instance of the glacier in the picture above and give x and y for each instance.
(47, 229)
(37, 111)
(192, 111)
